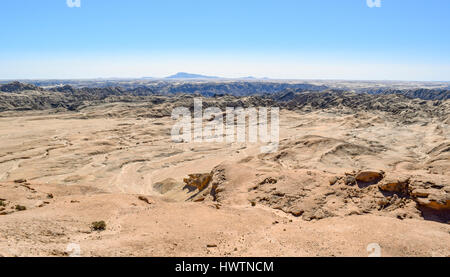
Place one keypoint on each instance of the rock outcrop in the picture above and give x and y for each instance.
(200, 181)
(388, 194)
(369, 176)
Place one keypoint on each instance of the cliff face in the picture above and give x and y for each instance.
(305, 97)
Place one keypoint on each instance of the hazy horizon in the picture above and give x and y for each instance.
(214, 78)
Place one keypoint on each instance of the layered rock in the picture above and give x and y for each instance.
(389, 194)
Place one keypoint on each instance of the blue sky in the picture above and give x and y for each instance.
(304, 39)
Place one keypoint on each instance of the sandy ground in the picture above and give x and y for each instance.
(95, 164)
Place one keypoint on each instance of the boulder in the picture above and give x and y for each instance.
(200, 181)
(350, 180)
(395, 184)
(435, 204)
(422, 193)
(369, 176)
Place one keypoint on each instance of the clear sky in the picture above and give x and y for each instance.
(301, 39)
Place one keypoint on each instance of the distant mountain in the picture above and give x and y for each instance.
(184, 75)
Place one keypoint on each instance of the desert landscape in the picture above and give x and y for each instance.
(94, 165)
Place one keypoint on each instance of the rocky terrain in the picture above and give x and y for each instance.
(97, 168)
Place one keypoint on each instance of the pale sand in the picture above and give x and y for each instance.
(96, 162)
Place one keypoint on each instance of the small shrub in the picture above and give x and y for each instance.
(98, 226)
(20, 208)
(145, 199)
